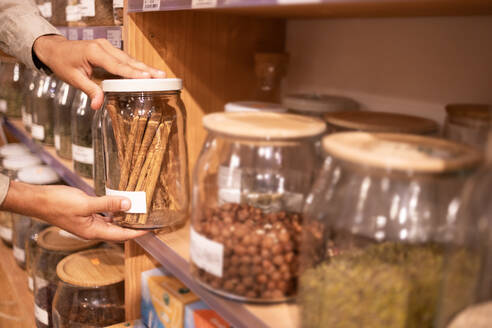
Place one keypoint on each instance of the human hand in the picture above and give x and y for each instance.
(72, 61)
(70, 209)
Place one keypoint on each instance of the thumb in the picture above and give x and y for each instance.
(91, 89)
(109, 204)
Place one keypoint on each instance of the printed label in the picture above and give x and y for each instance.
(16, 73)
(3, 106)
(57, 142)
(87, 8)
(73, 34)
(82, 154)
(41, 315)
(203, 3)
(73, 15)
(37, 131)
(29, 120)
(6, 233)
(47, 10)
(117, 3)
(30, 283)
(87, 34)
(114, 37)
(151, 5)
(206, 254)
(40, 282)
(138, 199)
(229, 181)
(19, 254)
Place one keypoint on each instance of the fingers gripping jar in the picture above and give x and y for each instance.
(248, 189)
(375, 229)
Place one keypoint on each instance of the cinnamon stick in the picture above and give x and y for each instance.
(127, 162)
(118, 130)
(142, 123)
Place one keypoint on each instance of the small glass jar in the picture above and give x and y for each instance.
(38, 175)
(118, 12)
(32, 249)
(379, 122)
(82, 152)
(43, 116)
(270, 68)
(11, 74)
(248, 189)
(375, 229)
(253, 106)
(316, 105)
(94, 13)
(97, 146)
(53, 245)
(63, 119)
(91, 289)
(468, 124)
(144, 130)
(29, 96)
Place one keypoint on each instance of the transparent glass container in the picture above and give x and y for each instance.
(31, 248)
(29, 96)
(318, 105)
(82, 152)
(468, 124)
(379, 122)
(144, 136)
(91, 290)
(43, 116)
(97, 146)
(118, 12)
(270, 68)
(90, 13)
(11, 78)
(248, 189)
(63, 119)
(53, 245)
(375, 229)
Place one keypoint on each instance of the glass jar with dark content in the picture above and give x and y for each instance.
(11, 79)
(31, 248)
(376, 227)
(82, 152)
(53, 245)
(144, 129)
(63, 119)
(97, 146)
(90, 292)
(43, 116)
(249, 186)
(118, 12)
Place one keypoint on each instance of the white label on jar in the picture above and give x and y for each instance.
(87, 34)
(19, 254)
(29, 120)
(82, 154)
(151, 5)
(6, 233)
(37, 131)
(16, 72)
(203, 3)
(41, 315)
(114, 37)
(57, 142)
(229, 181)
(73, 15)
(118, 3)
(138, 199)
(3, 105)
(30, 283)
(206, 254)
(47, 10)
(40, 282)
(87, 8)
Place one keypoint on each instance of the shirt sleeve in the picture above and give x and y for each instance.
(4, 187)
(20, 25)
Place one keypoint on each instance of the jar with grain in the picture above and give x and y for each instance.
(376, 225)
(144, 136)
(32, 249)
(90, 291)
(249, 185)
(82, 152)
(43, 115)
(64, 98)
(11, 79)
(317, 105)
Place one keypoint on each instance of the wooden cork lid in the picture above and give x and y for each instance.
(469, 113)
(381, 122)
(400, 151)
(92, 268)
(264, 125)
(56, 239)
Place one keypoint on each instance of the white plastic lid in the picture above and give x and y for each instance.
(13, 149)
(39, 174)
(319, 104)
(19, 162)
(138, 85)
(253, 106)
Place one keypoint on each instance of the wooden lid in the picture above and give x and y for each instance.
(56, 239)
(92, 268)
(381, 122)
(264, 125)
(400, 151)
(468, 112)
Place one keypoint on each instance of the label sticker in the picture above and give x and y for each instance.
(40, 282)
(138, 199)
(114, 37)
(29, 119)
(118, 3)
(206, 254)
(57, 142)
(47, 9)
(3, 105)
(87, 34)
(19, 254)
(41, 315)
(73, 15)
(151, 5)
(82, 154)
(203, 3)
(37, 131)
(6, 233)
(87, 8)
(30, 283)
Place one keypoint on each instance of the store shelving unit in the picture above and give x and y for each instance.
(110, 33)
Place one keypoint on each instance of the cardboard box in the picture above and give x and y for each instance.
(199, 315)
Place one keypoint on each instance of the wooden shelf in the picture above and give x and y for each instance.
(171, 251)
(110, 33)
(322, 8)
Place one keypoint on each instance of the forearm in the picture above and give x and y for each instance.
(25, 199)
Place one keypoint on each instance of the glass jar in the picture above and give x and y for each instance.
(91, 289)
(379, 122)
(11, 94)
(248, 191)
(97, 146)
(63, 119)
(32, 249)
(375, 229)
(45, 8)
(118, 12)
(253, 106)
(317, 105)
(468, 124)
(82, 152)
(53, 245)
(59, 17)
(29, 96)
(43, 116)
(92, 12)
(144, 136)
(270, 68)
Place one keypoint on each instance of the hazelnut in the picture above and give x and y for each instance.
(271, 285)
(251, 294)
(277, 294)
(262, 278)
(240, 289)
(229, 285)
(278, 260)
